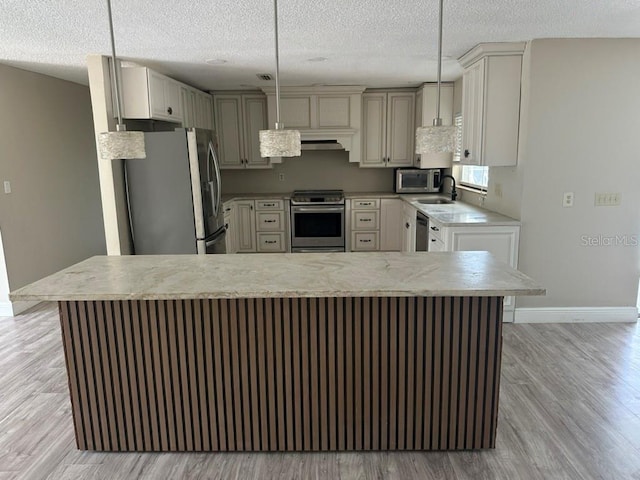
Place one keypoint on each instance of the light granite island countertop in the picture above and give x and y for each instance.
(377, 274)
(283, 352)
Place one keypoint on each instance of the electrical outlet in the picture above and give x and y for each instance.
(607, 199)
(281, 177)
(497, 189)
(567, 199)
(7, 186)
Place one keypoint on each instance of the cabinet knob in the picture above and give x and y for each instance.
(407, 225)
(467, 153)
(433, 239)
(435, 229)
(170, 111)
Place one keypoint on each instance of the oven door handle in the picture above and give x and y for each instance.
(317, 209)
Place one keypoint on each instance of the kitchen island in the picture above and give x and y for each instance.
(283, 352)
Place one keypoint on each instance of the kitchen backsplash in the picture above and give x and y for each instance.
(312, 170)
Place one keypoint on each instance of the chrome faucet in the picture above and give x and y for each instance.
(454, 192)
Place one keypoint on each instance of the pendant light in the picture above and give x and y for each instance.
(119, 144)
(279, 142)
(436, 144)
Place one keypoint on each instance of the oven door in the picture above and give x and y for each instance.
(317, 226)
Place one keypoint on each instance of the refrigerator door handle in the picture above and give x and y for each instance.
(215, 204)
(213, 239)
(216, 169)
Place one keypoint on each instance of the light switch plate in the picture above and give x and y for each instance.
(607, 199)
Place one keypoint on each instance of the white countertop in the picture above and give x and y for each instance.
(375, 274)
(461, 214)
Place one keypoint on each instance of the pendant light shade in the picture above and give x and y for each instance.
(119, 144)
(436, 143)
(279, 142)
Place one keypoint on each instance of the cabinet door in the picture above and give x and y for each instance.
(188, 107)
(204, 111)
(472, 114)
(391, 226)
(172, 103)
(408, 228)
(400, 130)
(245, 226)
(255, 119)
(156, 94)
(418, 123)
(374, 126)
(228, 110)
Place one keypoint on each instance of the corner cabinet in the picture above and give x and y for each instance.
(388, 128)
(238, 119)
(149, 95)
(491, 104)
(197, 108)
(245, 227)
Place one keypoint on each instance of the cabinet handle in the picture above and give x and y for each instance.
(366, 203)
(433, 239)
(269, 241)
(269, 221)
(251, 207)
(365, 219)
(435, 229)
(467, 153)
(407, 225)
(170, 111)
(269, 204)
(365, 241)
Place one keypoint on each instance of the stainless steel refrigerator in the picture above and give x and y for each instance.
(174, 195)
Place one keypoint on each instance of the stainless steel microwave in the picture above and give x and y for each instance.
(415, 180)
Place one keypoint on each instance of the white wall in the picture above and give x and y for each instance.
(53, 217)
(580, 125)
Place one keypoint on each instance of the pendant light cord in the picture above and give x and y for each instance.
(114, 70)
(275, 10)
(439, 60)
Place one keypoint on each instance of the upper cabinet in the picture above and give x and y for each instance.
(491, 104)
(320, 113)
(149, 95)
(426, 106)
(239, 118)
(388, 128)
(197, 108)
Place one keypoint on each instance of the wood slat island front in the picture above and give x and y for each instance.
(176, 368)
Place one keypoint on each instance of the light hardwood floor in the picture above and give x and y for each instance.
(569, 408)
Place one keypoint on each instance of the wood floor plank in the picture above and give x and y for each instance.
(566, 412)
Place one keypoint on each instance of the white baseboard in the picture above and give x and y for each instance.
(508, 316)
(11, 309)
(577, 315)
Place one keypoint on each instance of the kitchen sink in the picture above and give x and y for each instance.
(434, 201)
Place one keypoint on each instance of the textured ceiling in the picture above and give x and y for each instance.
(370, 42)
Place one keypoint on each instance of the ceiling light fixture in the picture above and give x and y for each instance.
(215, 61)
(119, 144)
(435, 144)
(279, 142)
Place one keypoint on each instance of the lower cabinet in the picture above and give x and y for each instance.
(501, 241)
(230, 225)
(409, 216)
(391, 224)
(245, 226)
(271, 225)
(365, 224)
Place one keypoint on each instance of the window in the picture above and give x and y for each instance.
(469, 175)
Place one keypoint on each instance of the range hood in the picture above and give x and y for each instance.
(321, 145)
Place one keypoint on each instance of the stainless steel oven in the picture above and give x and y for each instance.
(317, 221)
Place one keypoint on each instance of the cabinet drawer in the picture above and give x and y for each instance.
(365, 203)
(364, 241)
(365, 220)
(269, 221)
(271, 242)
(270, 204)
(435, 244)
(435, 230)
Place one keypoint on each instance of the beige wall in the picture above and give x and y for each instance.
(53, 216)
(580, 124)
(312, 170)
